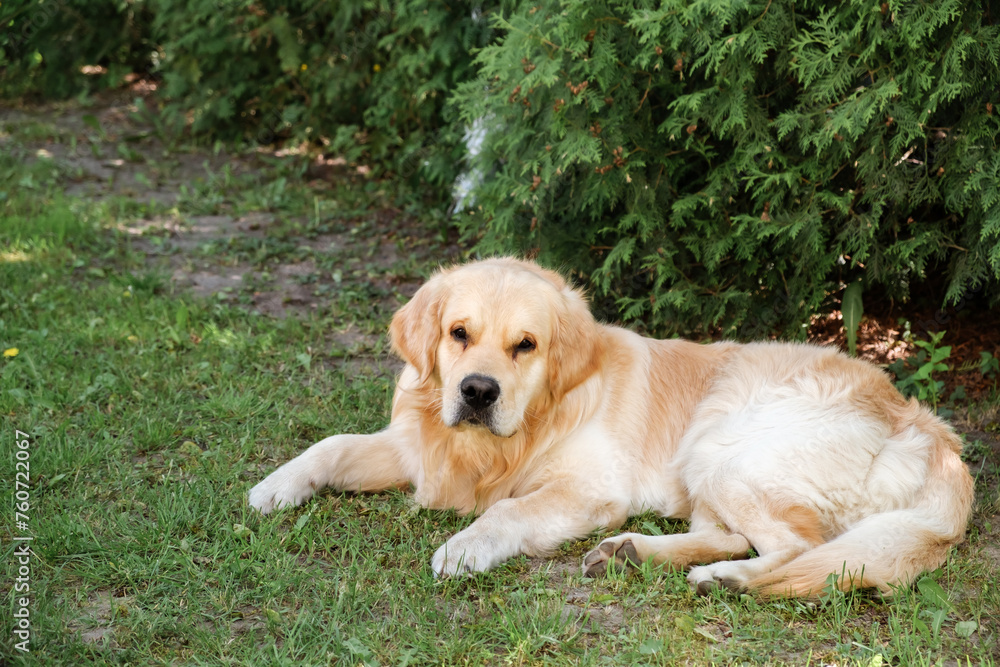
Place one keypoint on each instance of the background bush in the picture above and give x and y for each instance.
(369, 79)
(372, 77)
(44, 44)
(701, 165)
(736, 164)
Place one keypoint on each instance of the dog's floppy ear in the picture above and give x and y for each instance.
(576, 348)
(415, 330)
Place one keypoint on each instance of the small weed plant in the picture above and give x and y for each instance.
(918, 375)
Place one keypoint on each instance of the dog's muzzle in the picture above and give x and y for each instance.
(479, 394)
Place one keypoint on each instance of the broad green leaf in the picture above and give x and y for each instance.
(182, 317)
(651, 528)
(684, 622)
(966, 628)
(651, 646)
(706, 634)
(937, 620)
(933, 594)
(851, 309)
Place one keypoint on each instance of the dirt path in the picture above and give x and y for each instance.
(263, 229)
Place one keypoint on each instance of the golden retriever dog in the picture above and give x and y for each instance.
(515, 404)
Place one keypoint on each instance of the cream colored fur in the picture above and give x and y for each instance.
(811, 458)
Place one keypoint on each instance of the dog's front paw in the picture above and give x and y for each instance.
(289, 485)
(464, 554)
(618, 552)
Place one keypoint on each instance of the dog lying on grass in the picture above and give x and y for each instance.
(517, 405)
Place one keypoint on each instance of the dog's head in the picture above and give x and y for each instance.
(496, 339)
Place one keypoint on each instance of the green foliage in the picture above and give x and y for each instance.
(367, 78)
(704, 165)
(719, 164)
(932, 608)
(915, 375)
(44, 45)
(989, 365)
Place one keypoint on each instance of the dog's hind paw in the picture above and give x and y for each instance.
(707, 578)
(617, 552)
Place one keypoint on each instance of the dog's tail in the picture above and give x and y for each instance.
(890, 549)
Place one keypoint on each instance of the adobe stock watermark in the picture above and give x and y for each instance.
(22, 543)
(29, 22)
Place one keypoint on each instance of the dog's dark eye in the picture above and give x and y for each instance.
(525, 346)
(460, 335)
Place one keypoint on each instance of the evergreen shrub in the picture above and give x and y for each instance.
(735, 165)
(701, 164)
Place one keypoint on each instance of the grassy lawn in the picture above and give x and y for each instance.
(151, 407)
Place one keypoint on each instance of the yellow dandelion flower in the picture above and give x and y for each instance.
(377, 68)
(304, 67)
(11, 352)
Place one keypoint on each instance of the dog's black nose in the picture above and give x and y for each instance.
(480, 391)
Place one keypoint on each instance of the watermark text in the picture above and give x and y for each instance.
(22, 543)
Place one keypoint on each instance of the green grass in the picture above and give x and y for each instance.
(152, 413)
